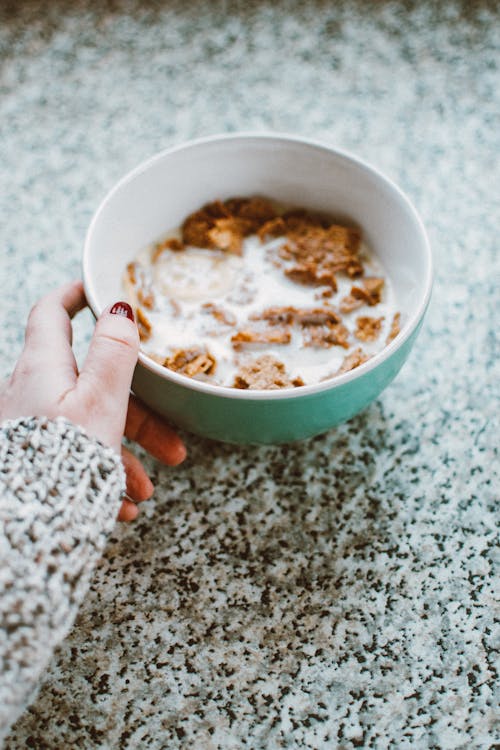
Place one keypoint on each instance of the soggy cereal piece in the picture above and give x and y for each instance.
(285, 252)
(395, 328)
(191, 362)
(373, 287)
(223, 316)
(217, 210)
(146, 298)
(331, 249)
(130, 278)
(257, 209)
(266, 373)
(320, 336)
(352, 360)
(157, 251)
(325, 294)
(320, 240)
(276, 315)
(203, 363)
(175, 307)
(327, 278)
(317, 316)
(227, 235)
(301, 316)
(222, 225)
(350, 303)
(271, 336)
(345, 238)
(368, 329)
(143, 324)
(131, 271)
(195, 229)
(353, 268)
(273, 228)
(309, 274)
(138, 286)
(369, 294)
(172, 243)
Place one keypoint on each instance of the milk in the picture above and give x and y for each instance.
(243, 286)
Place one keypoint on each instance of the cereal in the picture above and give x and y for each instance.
(310, 273)
(265, 373)
(146, 298)
(217, 210)
(132, 272)
(394, 330)
(368, 329)
(171, 243)
(326, 336)
(318, 316)
(257, 209)
(304, 317)
(273, 228)
(321, 251)
(223, 225)
(352, 360)
(196, 228)
(372, 290)
(223, 316)
(350, 303)
(370, 294)
(271, 336)
(191, 362)
(226, 235)
(242, 276)
(276, 315)
(143, 325)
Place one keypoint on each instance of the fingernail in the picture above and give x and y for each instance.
(124, 309)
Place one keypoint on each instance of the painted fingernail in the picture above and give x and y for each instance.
(124, 309)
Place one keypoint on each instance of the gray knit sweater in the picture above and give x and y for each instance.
(59, 497)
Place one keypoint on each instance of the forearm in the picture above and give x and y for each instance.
(59, 496)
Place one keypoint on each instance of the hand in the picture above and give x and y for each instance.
(46, 382)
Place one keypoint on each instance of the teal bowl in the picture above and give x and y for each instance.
(159, 193)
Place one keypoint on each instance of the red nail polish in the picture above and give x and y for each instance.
(123, 308)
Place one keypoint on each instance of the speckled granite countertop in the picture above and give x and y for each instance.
(336, 593)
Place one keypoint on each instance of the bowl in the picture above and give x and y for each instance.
(163, 190)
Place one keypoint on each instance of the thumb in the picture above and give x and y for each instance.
(105, 378)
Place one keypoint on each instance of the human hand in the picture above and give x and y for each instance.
(46, 382)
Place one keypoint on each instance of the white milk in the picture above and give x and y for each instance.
(242, 286)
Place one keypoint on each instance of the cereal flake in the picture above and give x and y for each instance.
(367, 328)
(265, 373)
(352, 360)
(395, 328)
(191, 362)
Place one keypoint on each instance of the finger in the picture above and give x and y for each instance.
(153, 433)
(139, 485)
(105, 378)
(49, 322)
(128, 511)
(48, 336)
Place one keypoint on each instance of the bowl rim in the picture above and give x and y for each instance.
(269, 395)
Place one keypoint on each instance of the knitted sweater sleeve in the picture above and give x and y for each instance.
(59, 496)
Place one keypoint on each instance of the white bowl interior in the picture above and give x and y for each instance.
(160, 193)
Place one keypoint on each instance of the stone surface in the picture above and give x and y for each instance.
(333, 593)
